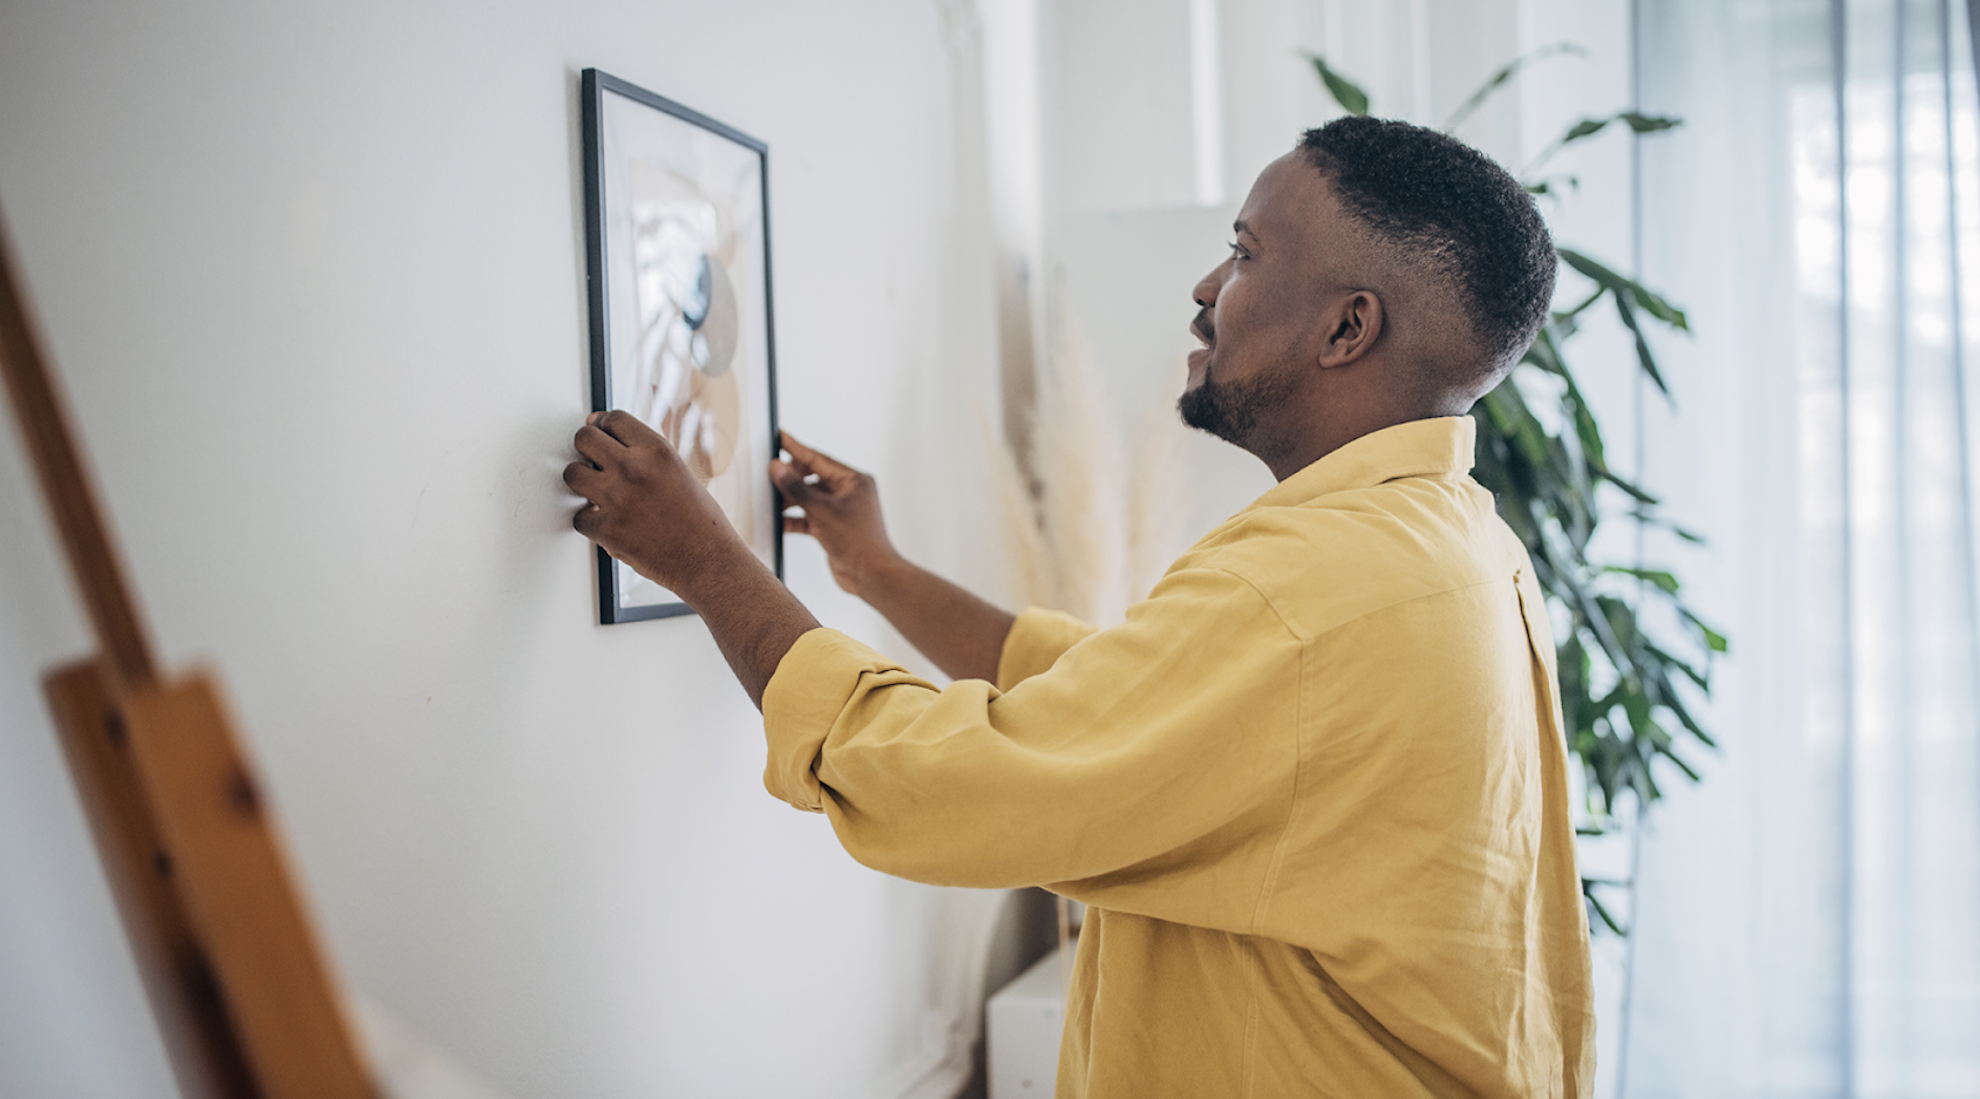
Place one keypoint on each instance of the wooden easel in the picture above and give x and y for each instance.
(245, 1003)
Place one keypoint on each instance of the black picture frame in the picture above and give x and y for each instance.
(638, 265)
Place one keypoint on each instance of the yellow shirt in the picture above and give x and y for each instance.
(1314, 789)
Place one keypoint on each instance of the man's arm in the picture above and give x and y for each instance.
(646, 509)
(961, 633)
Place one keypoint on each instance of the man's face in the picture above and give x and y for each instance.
(1259, 320)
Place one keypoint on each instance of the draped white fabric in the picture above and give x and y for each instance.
(1808, 919)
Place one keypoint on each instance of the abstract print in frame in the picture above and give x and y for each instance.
(678, 238)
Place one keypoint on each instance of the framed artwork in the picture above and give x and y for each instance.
(677, 235)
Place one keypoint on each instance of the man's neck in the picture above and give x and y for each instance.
(1309, 448)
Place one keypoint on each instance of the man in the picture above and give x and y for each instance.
(1314, 788)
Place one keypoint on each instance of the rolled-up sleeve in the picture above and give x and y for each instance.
(1137, 743)
(802, 703)
(1036, 642)
(825, 667)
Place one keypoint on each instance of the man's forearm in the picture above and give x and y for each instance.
(961, 633)
(754, 618)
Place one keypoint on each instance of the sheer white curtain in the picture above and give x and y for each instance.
(1808, 919)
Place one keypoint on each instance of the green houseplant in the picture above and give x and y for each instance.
(1630, 650)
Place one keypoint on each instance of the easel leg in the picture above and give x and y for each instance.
(232, 876)
(192, 1020)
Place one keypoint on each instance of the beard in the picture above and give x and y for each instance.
(1232, 410)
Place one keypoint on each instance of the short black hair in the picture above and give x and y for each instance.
(1454, 209)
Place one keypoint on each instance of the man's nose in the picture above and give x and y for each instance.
(1205, 293)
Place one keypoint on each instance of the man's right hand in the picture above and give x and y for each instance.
(962, 634)
(842, 510)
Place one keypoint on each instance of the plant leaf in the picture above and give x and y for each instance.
(1550, 186)
(1637, 123)
(1649, 123)
(1629, 296)
(1632, 489)
(1650, 518)
(1714, 640)
(1615, 283)
(1624, 697)
(1626, 309)
(1659, 577)
(1589, 127)
(1581, 306)
(1346, 92)
(1498, 79)
(1601, 910)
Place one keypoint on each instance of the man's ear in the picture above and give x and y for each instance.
(1355, 325)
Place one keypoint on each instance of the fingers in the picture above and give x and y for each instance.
(625, 427)
(796, 524)
(817, 475)
(822, 464)
(792, 446)
(605, 436)
(789, 479)
(584, 479)
(598, 447)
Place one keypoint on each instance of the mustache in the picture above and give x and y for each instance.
(1204, 330)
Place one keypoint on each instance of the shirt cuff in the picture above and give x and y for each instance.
(801, 704)
(1036, 642)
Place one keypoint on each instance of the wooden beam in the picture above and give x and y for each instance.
(229, 871)
(66, 484)
(192, 1020)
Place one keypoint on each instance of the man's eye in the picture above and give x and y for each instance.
(1237, 252)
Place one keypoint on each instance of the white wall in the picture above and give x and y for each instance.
(313, 275)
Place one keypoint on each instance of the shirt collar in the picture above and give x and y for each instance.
(1441, 447)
